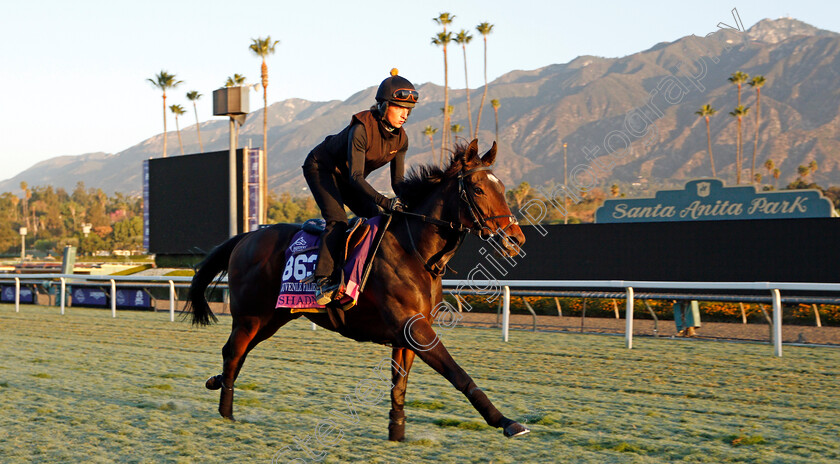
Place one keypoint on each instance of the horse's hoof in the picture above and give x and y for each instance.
(396, 426)
(214, 383)
(515, 429)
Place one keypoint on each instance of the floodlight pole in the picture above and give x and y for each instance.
(233, 103)
(232, 180)
(22, 244)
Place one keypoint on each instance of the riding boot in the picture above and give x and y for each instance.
(330, 261)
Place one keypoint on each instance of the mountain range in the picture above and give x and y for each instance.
(596, 105)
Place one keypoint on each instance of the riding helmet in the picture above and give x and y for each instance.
(398, 91)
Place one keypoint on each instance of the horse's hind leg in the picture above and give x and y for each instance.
(424, 341)
(402, 359)
(247, 332)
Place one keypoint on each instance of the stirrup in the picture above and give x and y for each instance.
(326, 291)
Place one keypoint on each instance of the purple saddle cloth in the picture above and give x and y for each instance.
(301, 257)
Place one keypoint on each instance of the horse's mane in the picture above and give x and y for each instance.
(421, 180)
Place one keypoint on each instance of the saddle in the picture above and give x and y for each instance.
(357, 230)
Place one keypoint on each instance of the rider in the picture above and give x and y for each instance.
(336, 169)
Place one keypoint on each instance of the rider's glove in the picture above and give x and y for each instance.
(395, 204)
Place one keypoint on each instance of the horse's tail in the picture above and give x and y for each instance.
(216, 262)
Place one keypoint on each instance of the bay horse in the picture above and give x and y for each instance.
(395, 307)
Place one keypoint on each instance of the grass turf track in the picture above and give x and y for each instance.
(88, 388)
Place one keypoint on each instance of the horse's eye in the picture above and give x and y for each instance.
(478, 191)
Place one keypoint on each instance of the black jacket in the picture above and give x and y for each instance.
(362, 147)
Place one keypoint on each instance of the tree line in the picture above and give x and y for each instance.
(92, 221)
(85, 218)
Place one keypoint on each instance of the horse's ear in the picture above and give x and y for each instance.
(490, 157)
(471, 153)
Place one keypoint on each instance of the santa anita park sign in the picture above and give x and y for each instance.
(709, 200)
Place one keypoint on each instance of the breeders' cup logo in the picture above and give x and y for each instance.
(79, 295)
(703, 189)
(298, 245)
(7, 293)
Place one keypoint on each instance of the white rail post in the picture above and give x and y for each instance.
(171, 301)
(628, 331)
(314, 327)
(817, 315)
(63, 291)
(113, 298)
(17, 295)
(505, 313)
(777, 322)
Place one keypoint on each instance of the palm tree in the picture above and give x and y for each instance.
(193, 96)
(456, 129)
(235, 80)
(484, 29)
(739, 113)
(776, 174)
(756, 83)
(464, 38)
(738, 78)
(27, 194)
(769, 165)
(442, 39)
(178, 110)
(262, 48)
(430, 132)
(803, 172)
(164, 81)
(495, 104)
(614, 190)
(705, 111)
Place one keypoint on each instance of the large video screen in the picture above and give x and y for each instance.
(188, 202)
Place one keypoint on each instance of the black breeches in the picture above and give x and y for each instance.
(331, 194)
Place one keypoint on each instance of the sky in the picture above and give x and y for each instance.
(74, 73)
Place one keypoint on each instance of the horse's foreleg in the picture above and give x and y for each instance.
(399, 377)
(423, 340)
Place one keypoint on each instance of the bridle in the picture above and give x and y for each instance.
(479, 220)
(476, 215)
(472, 207)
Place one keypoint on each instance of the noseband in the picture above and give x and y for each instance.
(475, 212)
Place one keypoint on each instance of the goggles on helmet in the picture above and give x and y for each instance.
(406, 95)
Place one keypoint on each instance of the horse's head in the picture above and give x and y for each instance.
(482, 204)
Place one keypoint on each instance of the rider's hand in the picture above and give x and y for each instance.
(395, 204)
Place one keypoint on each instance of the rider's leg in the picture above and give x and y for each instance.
(329, 199)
